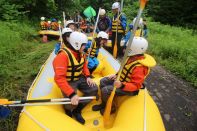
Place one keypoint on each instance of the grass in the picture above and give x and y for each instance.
(21, 56)
(175, 48)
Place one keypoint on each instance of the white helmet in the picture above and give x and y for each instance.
(69, 22)
(138, 46)
(42, 18)
(77, 39)
(66, 30)
(140, 22)
(49, 22)
(116, 5)
(103, 35)
(102, 12)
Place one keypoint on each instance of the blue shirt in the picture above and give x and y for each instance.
(126, 37)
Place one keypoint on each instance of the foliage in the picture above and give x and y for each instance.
(10, 12)
(175, 48)
(20, 59)
(181, 12)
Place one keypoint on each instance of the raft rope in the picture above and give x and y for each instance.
(36, 121)
(145, 109)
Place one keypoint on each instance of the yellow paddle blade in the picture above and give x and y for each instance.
(142, 3)
(5, 102)
(106, 116)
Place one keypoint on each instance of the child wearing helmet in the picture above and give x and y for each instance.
(43, 23)
(93, 50)
(54, 24)
(71, 24)
(139, 31)
(135, 70)
(65, 36)
(72, 74)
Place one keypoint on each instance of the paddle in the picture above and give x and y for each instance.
(7, 102)
(116, 39)
(60, 31)
(107, 112)
(64, 19)
(115, 44)
(94, 33)
(4, 112)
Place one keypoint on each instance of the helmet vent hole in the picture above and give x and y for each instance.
(77, 44)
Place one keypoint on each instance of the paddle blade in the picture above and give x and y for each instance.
(4, 112)
(106, 116)
(142, 3)
(5, 102)
(115, 49)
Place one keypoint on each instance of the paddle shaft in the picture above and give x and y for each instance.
(60, 35)
(94, 32)
(49, 100)
(41, 104)
(121, 6)
(64, 19)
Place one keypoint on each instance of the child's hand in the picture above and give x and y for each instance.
(112, 77)
(117, 84)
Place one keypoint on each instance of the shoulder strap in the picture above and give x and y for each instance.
(128, 71)
(72, 63)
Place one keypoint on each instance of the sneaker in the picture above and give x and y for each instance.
(98, 107)
(69, 113)
(78, 117)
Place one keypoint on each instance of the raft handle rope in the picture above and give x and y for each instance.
(36, 121)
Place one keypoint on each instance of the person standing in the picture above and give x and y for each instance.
(119, 23)
(104, 23)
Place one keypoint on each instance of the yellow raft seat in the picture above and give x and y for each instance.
(128, 117)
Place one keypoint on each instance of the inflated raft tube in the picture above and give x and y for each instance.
(49, 32)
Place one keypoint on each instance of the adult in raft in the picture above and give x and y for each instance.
(119, 22)
(99, 41)
(71, 73)
(134, 72)
(104, 23)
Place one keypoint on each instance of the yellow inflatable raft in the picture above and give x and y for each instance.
(136, 113)
(49, 32)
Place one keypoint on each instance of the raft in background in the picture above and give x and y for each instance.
(129, 116)
(49, 35)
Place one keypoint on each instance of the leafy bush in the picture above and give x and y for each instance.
(20, 59)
